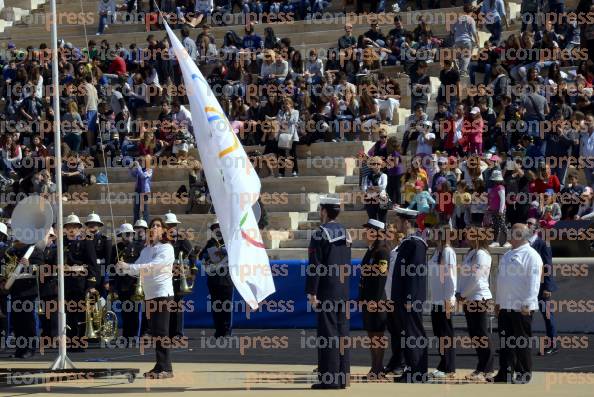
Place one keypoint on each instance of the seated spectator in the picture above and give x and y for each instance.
(314, 68)
(73, 172)
(374, 186)
(288, 119)
(73, 127)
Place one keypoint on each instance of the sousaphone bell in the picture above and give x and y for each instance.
(31, 222)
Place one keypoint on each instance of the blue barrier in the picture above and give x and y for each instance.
(286, 308)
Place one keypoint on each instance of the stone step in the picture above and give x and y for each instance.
(121, 203)
(316, 166)
(300, 184)
(199, 223)
(302, 253)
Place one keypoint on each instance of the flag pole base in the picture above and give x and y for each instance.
(62, 362)
(10, 377)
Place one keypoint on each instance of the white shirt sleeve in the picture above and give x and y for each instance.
(162, 256)
(449, 261)
(534, 269)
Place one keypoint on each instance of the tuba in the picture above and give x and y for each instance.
(184, 288)
(100, 321)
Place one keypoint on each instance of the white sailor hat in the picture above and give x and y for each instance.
(93, 218)
(72, 220)
(329, 200)
(125, 228)
(215, 224)
(141, 223)
(406, 213)
(374, 224)
(3, 229)
(170, 218)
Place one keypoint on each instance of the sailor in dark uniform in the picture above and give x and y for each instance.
(4, 245)
(372, 293)
(327, 288)
(23, 294)
(396, 363)
(220, 286)
(183, 247)
(48, 289)
(409, 292)
(124, 286)
(81, 274)
(103, 247)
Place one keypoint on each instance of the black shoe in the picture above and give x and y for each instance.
(158, 374)
(522, 379)
(499, 379)
(397, 371)
(406, 377)
(550, 351)
(323, 386)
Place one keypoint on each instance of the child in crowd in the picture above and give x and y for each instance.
(478, 205)
(551, 212)
(445, 202)
(462, 199)
(423, 202)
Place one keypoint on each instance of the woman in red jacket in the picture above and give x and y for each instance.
(545, 180)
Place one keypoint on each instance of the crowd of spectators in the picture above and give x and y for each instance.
(465, 155)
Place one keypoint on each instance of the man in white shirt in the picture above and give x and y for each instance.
(518, 283)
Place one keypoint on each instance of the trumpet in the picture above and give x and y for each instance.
(184, 288)
(100, 322)
(138, 295)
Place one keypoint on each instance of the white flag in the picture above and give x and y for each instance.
(232, 181)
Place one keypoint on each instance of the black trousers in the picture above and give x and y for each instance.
(444, 330)
(130, 318)
(515, 333)
(333, 329)
(375, 212)
(67, 181)
(48, 321)
(159, 322)
(415, 342)
(221, 298)
(395, 328)
(393, 189)
(75, 319)
(23, 325)
(477, 319)
(144, 322)
(176, 319)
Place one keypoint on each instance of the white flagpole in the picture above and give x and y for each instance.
(62, 361)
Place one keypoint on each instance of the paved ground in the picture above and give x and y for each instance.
(282, 362)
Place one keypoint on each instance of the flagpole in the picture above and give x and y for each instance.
(62, 361)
